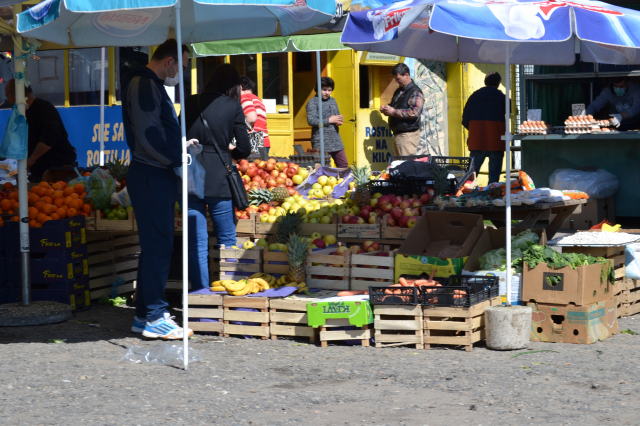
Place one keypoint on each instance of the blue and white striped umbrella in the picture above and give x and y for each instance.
(147, 22)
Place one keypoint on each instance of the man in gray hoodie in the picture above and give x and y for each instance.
(154, 138)
(623, 98)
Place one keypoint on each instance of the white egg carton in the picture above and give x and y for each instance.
(533, 128)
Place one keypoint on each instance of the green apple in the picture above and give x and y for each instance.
(297, 179)
(377, 195)
(314, 220)
(290, 200)
(327, 190)
(330, 239)
(262, 242)
(248, 245)
(316, 186)
(325, 204)
(286, 205)
(355, 209)
(332, 181)
(303, 172)
(322, 180)
(313, 215)
(274, 246)
(325, 219)
(272, 219)
(315, 236)
(122, 214)
(338, 202)
(264, 217)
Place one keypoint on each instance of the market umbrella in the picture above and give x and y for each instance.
(99, 23)
(523, 32)
(295, 43)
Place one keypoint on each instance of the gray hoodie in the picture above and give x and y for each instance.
(629, 102)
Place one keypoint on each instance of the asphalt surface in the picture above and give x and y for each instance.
(81, 380)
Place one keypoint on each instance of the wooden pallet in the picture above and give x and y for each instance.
(288, 317)
(231, 313)
(366, 270)
(328, 277)
(397, 325)
(327, 335)
(455, 326)
(228, 261)
(207, 306)
(112, 256)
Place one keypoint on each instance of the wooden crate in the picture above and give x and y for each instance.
(177, 223)
(229, 261)
(456, 326)
(366, 267)
(324, 229)
(273, 262)
(231, 313)
(207, 306)
(116, 225)
(363, 334)
(328, 277)
(397, 325)
(393, 233)
(629, 298)
(365, 231)
(112, 256)
(288, 317)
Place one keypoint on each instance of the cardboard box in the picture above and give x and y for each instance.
(574, 324)
(440, 241)
(54, 235)
(492, 239)
(75, 293)
(581, 286)
(3, 271)
(54, 267)
(594, 212)
(354, 308)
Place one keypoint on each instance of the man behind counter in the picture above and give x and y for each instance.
(48, 140)
(623, 98)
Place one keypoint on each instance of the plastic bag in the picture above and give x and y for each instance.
(195, 172)
(632, 261)
(100, 185)
(160, 354)
(122, 198)
(16, 134)
(598, 184)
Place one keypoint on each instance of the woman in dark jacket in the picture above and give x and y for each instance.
(226, 120)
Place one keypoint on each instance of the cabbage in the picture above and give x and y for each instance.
(496, 260)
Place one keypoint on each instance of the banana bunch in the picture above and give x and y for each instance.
(283, 281)
(242, 287)
(271, 281)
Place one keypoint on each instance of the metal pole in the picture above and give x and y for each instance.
(102, 108)
(23, 211)
(321, 124)
(185, 201)
(507, 145)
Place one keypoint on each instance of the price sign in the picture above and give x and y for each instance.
(534, 115)
(578, 109)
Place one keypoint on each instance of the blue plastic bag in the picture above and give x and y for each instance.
(195, 172)
(632, 261)
(15, 141)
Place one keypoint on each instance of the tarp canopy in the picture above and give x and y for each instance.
(296, 43)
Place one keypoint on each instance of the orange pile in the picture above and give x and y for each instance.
(48, 202)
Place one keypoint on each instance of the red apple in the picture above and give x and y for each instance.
(367, 208)
(290, 172)
(246, 179)
(256, 179)
(425, 198)
(405, 204)
(294, 166)
(262, 164)
(386, 207)
(366, 244)
(396, 213)
(391, 221)
(377, 211)
(270, 166)
(383, 254)
(263, 184)
(392, 196)
(354, 220)
(374, 202)
(247, 188)
(319, 243)
(346, 218)
(364, 214)
(271, 183)
(396, 202)
(408, 212)
(403, 221)
(271, 160)
(288, 183)
(416, 213)
(370, 246)
(274, 173)
(416, 204)
(412, 222)
(252, 171)
(242, 168)
(355, 250)
(282, 175)
(281, 180)
(280, 185)
(383, 200)
(292, 191)
(257, 161)
(264, 175)
(280, 166)
(341, 250)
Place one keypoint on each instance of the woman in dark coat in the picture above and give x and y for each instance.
(226, 120)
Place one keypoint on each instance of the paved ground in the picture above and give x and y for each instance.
(284, 382)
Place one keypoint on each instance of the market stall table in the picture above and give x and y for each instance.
(617, 153)
(527, 214)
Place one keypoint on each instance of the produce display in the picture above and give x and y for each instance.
(596, 238)
(400, 212)
(543, 254)
(496, 260)
(271, 174)
(324, 186)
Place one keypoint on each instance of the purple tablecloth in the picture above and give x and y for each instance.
(272, 292)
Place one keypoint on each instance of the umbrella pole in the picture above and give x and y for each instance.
(23, 212)
(321, 124)
(185, 190)
(507, 146)
(102, 109)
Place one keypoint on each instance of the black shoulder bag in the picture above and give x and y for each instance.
(236, 186)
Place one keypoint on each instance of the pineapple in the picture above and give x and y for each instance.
(279, 194)
(442, 184)
(361, 176)
(297, 250)
(288, 226)
(260, 196)
(118, 170)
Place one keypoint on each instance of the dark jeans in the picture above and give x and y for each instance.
(153, 192)
(495, 163)
(222, 216)
(340, 158)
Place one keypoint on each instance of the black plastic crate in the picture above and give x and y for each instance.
(477, 289)
(460, 167)
(407, 158)
(393, 296)
(391, 186)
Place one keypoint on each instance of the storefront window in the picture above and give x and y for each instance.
(247, 65)
(275, 79)
(85, 75)
(127, 58)
(47, 76)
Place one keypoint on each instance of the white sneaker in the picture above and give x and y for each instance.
(165, 328)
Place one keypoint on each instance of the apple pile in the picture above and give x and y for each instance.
(271, 174)
(400, 212)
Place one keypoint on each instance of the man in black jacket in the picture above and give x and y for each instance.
(404, 112)
(154, 138)
(48, 140)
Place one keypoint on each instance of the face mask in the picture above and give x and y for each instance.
(171, 81)
(619, 91)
